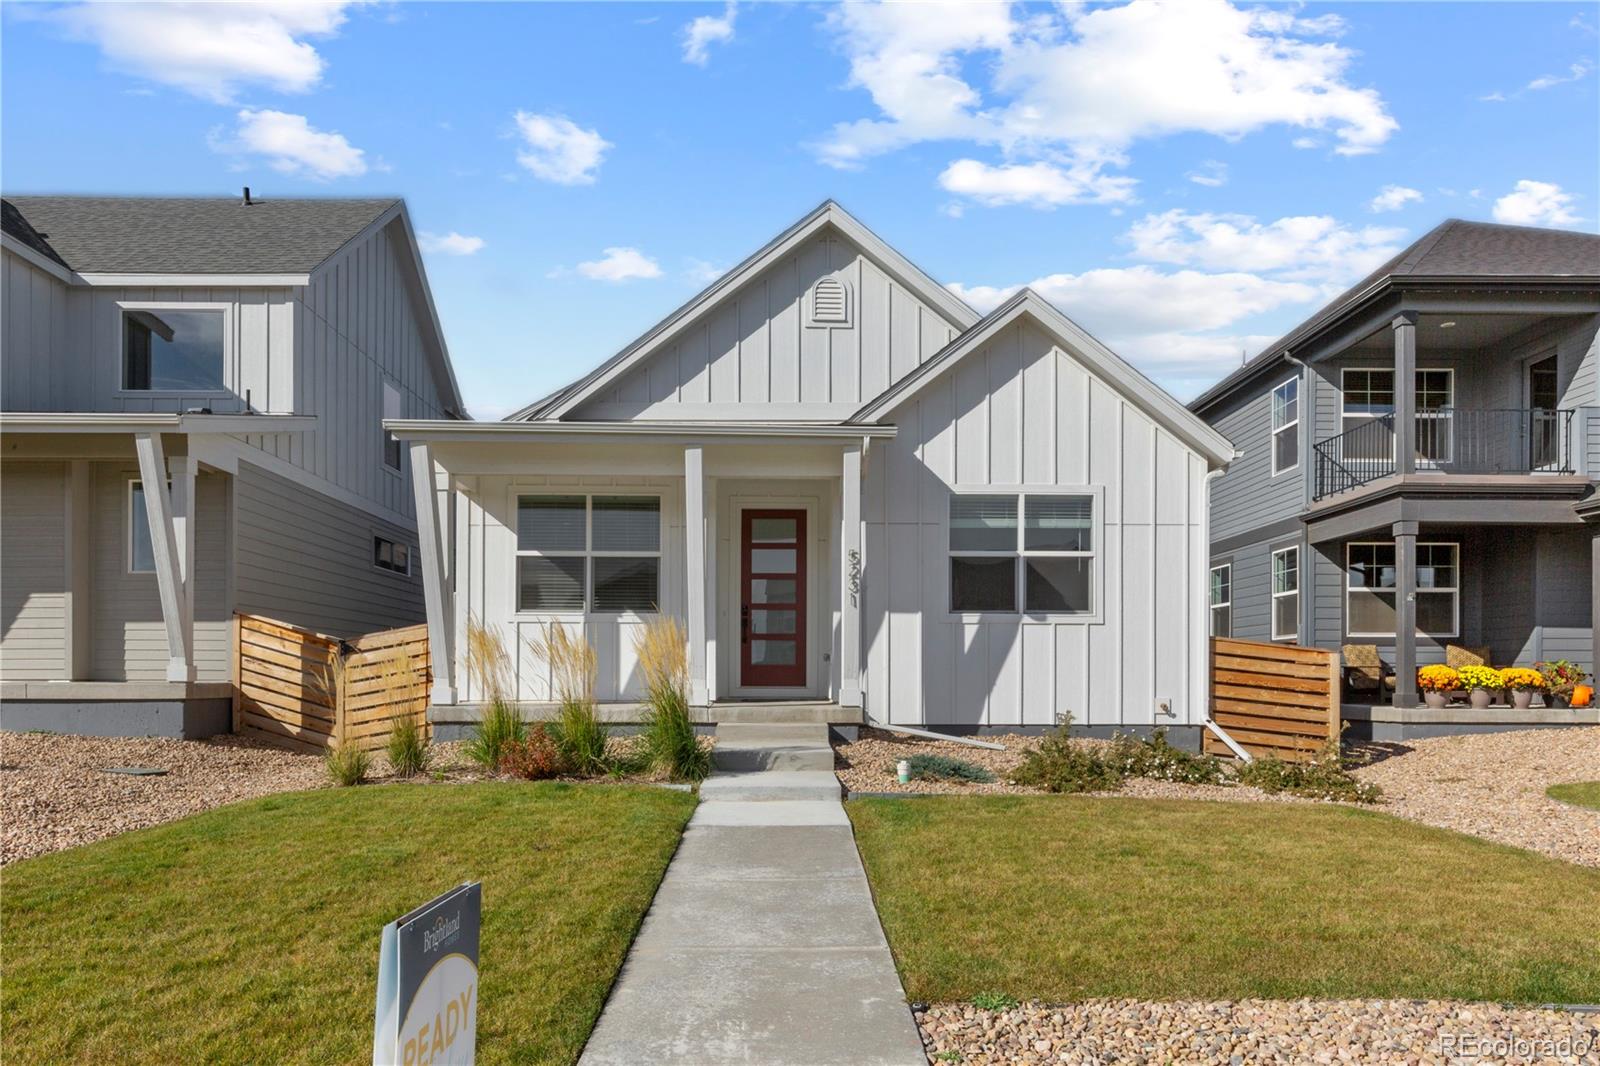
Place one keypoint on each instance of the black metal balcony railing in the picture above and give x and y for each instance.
(1452, 440)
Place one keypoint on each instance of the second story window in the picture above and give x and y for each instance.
(392, 448)
(170, 350)
(1222, 600)
(1286, 426)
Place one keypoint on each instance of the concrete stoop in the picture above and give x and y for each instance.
(762, 944)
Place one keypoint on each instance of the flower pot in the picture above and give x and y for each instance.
(1522, 698)
(1435, 699)
(1558, 699)
(1481, 697)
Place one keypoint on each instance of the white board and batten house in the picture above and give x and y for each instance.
(864, 500)
(191, 403)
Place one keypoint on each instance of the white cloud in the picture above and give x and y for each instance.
(1535, 203)
(292, 145)
(1211, 174)
(557, 149)
(1306, 142)
(451, 243)
(620, 264)
(701, 272)
(703, 32)
(1079, 86)
(1309, 248)
(1393, 198)
(1035, 184)
(208, 49)
(1576, 72)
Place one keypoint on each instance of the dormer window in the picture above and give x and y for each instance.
(830, 303)
(166, 349)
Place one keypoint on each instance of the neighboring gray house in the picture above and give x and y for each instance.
(191, 403)
(857, 493)
(1420, 456)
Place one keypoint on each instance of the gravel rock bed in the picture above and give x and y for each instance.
(1257, 1031)
(1492, 785)
(55, 793)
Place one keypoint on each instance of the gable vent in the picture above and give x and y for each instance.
(830, 303)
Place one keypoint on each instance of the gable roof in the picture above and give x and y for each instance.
(193, 235)
(13, 224)
(1138, 389)
(1453, 251)
(828, 213)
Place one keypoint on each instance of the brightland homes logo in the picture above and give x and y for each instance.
(427, 1009)
(445, 931)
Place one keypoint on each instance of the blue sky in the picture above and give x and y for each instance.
(1186, 181)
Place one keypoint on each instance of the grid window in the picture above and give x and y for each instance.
(1032, 549)
(391, 555)
(588, 553)
(1286, 594)
(1372, 586)
(1286, 426)
(1222, 600)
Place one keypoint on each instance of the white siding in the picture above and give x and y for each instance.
(33, 640)
(1022, 412)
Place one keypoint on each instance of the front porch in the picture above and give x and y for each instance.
(1383, 722)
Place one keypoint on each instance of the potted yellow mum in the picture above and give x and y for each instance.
(1523, 683)
(1436, 683)
(1482, 682)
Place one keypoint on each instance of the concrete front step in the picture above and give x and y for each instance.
(772, 747)
(771, 785)
(782, 712)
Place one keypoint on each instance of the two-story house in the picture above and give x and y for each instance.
(193, 393)
(1419, 460)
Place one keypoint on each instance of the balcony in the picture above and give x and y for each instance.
(1450, 440)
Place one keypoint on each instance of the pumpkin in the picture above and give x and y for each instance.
(1582, 695)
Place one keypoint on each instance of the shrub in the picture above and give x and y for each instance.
(534, 757)
(500, 725)
(670, 742)
(348, 765)
(1438, 678)
(1058, 765)
(489, 668)
(1522, 679)
(1481, 677)
(577, 730)
(407, 749)
(945, 768)
(1325, 778)
(1156, 758)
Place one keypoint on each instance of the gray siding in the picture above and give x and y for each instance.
(1248, 496)
(306, 558)
(33, 586)
(35, 374)
(1252, 580)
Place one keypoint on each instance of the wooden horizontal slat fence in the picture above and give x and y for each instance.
(1273, 699)
(307, 691)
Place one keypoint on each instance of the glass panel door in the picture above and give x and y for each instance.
(1544, 437)
(772, 599)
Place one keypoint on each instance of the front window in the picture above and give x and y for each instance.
(1369, 396)
(392, 555)
(1372, 583)
(167, 350)
(141, 550)
(588, 553)
(1286, 426)
(1222, 600)
(1044, 561)
(1286, 594)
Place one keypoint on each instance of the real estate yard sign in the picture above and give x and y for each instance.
(428, 983)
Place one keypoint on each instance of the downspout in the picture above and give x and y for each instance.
(1205, 690)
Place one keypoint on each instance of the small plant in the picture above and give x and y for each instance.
(670, 741)
(1324, 778)
(945, 768)
(1484, 677)
(347, 765)
(1059, 765)
(489, 667)
(995, 1001)
(534, 757)
(1522, 679)
(1438, 678)
(577, 730)
(1561, 677)
(407, 748)
(1158, 760)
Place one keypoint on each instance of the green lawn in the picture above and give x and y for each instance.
(1581, 793)
(1064, 898)
(250, 933)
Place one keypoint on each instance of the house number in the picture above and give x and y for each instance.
(855, 574)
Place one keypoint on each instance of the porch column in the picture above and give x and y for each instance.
(1405, 615)
(1594, 601)
(694, 530)
(183, 472)
(850, 578)
(1405, 392)
(79, 557)
(439, 603)
(165, 545)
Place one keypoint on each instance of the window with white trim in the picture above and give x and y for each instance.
(1368, 394)
(1286, 594)
(392, 448)
(595, 553)
(1372, 585)
(168, 349)
(1222, 600)
(393, 555)
(1044, 562)
(1286, 427)
(141, 549)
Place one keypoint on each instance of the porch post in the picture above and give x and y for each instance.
(1405, 615)
(79, 556)
(1405, 392)
(694, 528)
(165, 547)
(438, 602)
(850, 578)
(183, 472)
(1594, 601)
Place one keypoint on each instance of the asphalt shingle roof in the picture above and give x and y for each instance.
(192, 235)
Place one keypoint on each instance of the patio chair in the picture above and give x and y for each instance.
(1364, 672)
(1456, 656)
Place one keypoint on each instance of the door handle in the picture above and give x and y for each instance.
(744, 624)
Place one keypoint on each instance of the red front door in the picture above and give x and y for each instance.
(772, 599)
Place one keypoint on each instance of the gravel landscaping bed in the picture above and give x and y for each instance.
(1492, 785)
(1257, 1031)
(55, 793)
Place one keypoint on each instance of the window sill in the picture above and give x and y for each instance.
(175, 394)
(1024, 617)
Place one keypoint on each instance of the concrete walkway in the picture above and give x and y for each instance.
(762, 945)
